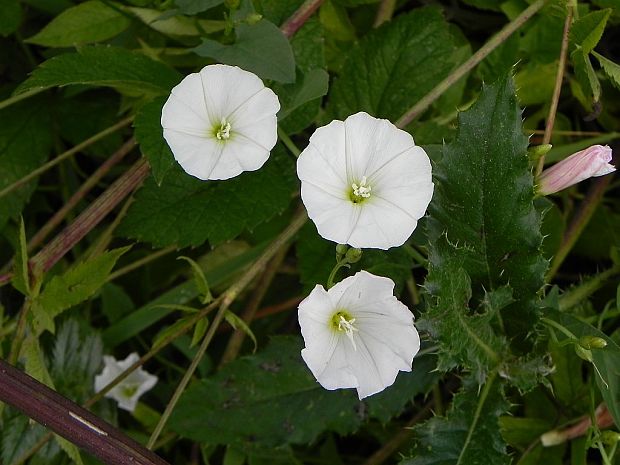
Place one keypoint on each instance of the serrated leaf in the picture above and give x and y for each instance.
(606, 360)
(119, 68)
(585, 74)
(11, 16)
(21, 276)
(484, 237)
(467, 435)
(248, 51)
(587, 31)
(191, 7)
(611, 69)
(467, 340)
(186, 211)
(200, 280)
(86, 23)
(483, 202)
(258, 400)
(76, 358)
(72, 287)
(25, 144)
(394, 66)
(150, 137)
(237, 323)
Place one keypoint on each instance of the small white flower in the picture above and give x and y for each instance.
(364, 182)
(357, 334)
(128, 391)
(220, 122)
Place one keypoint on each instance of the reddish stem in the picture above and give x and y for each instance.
(81, 193)
(90, 217)
(71, 421)
(297, 19)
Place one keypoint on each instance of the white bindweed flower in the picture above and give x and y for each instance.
(364, 182)
(357, 334)
(128, 391)
(220, 122)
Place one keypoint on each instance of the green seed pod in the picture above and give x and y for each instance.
(609, 437)
(341, 249)
(537, 151)
(353, 255)
(584, 353)
(592, 342)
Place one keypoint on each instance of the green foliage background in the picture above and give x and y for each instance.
(502, 318)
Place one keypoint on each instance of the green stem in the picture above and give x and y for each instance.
(141, 262)
(286, 140)
(579, 222)
(65, 155)
(559, 78)
(587, 288)
(559, 327)
(470, 64)
(16, 98)
(228, 298)
(483, 397)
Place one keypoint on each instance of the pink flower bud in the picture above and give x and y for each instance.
(593, 161)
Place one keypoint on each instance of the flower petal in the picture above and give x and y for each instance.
(385, 340)
(197, 155)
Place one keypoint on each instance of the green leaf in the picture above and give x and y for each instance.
(11, 16)
(72, 287)
(468, 435)
(25, 144)
(309, 86)
(585, 74)
(315, 257)
(238, 324)
(394, 66)
(21, 276)
(466, 340)
(191, 7)
(258, 400)
(124, 70)
(587, 31)
(611, 69)
(392, 401)
(86, 23)
(484, 236)
(606, 360)
(169, 331)
(186, 211)
(200, 280)
(199, 331)
(248, 51)
(149, 134)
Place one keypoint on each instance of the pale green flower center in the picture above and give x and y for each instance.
(342, 321)
(223, 131)
(129, 390)
(360, 191)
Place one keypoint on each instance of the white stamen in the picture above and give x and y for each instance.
(362, 190)
(224, 132)
(347, 326)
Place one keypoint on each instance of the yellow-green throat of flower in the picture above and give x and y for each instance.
(342, 321)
